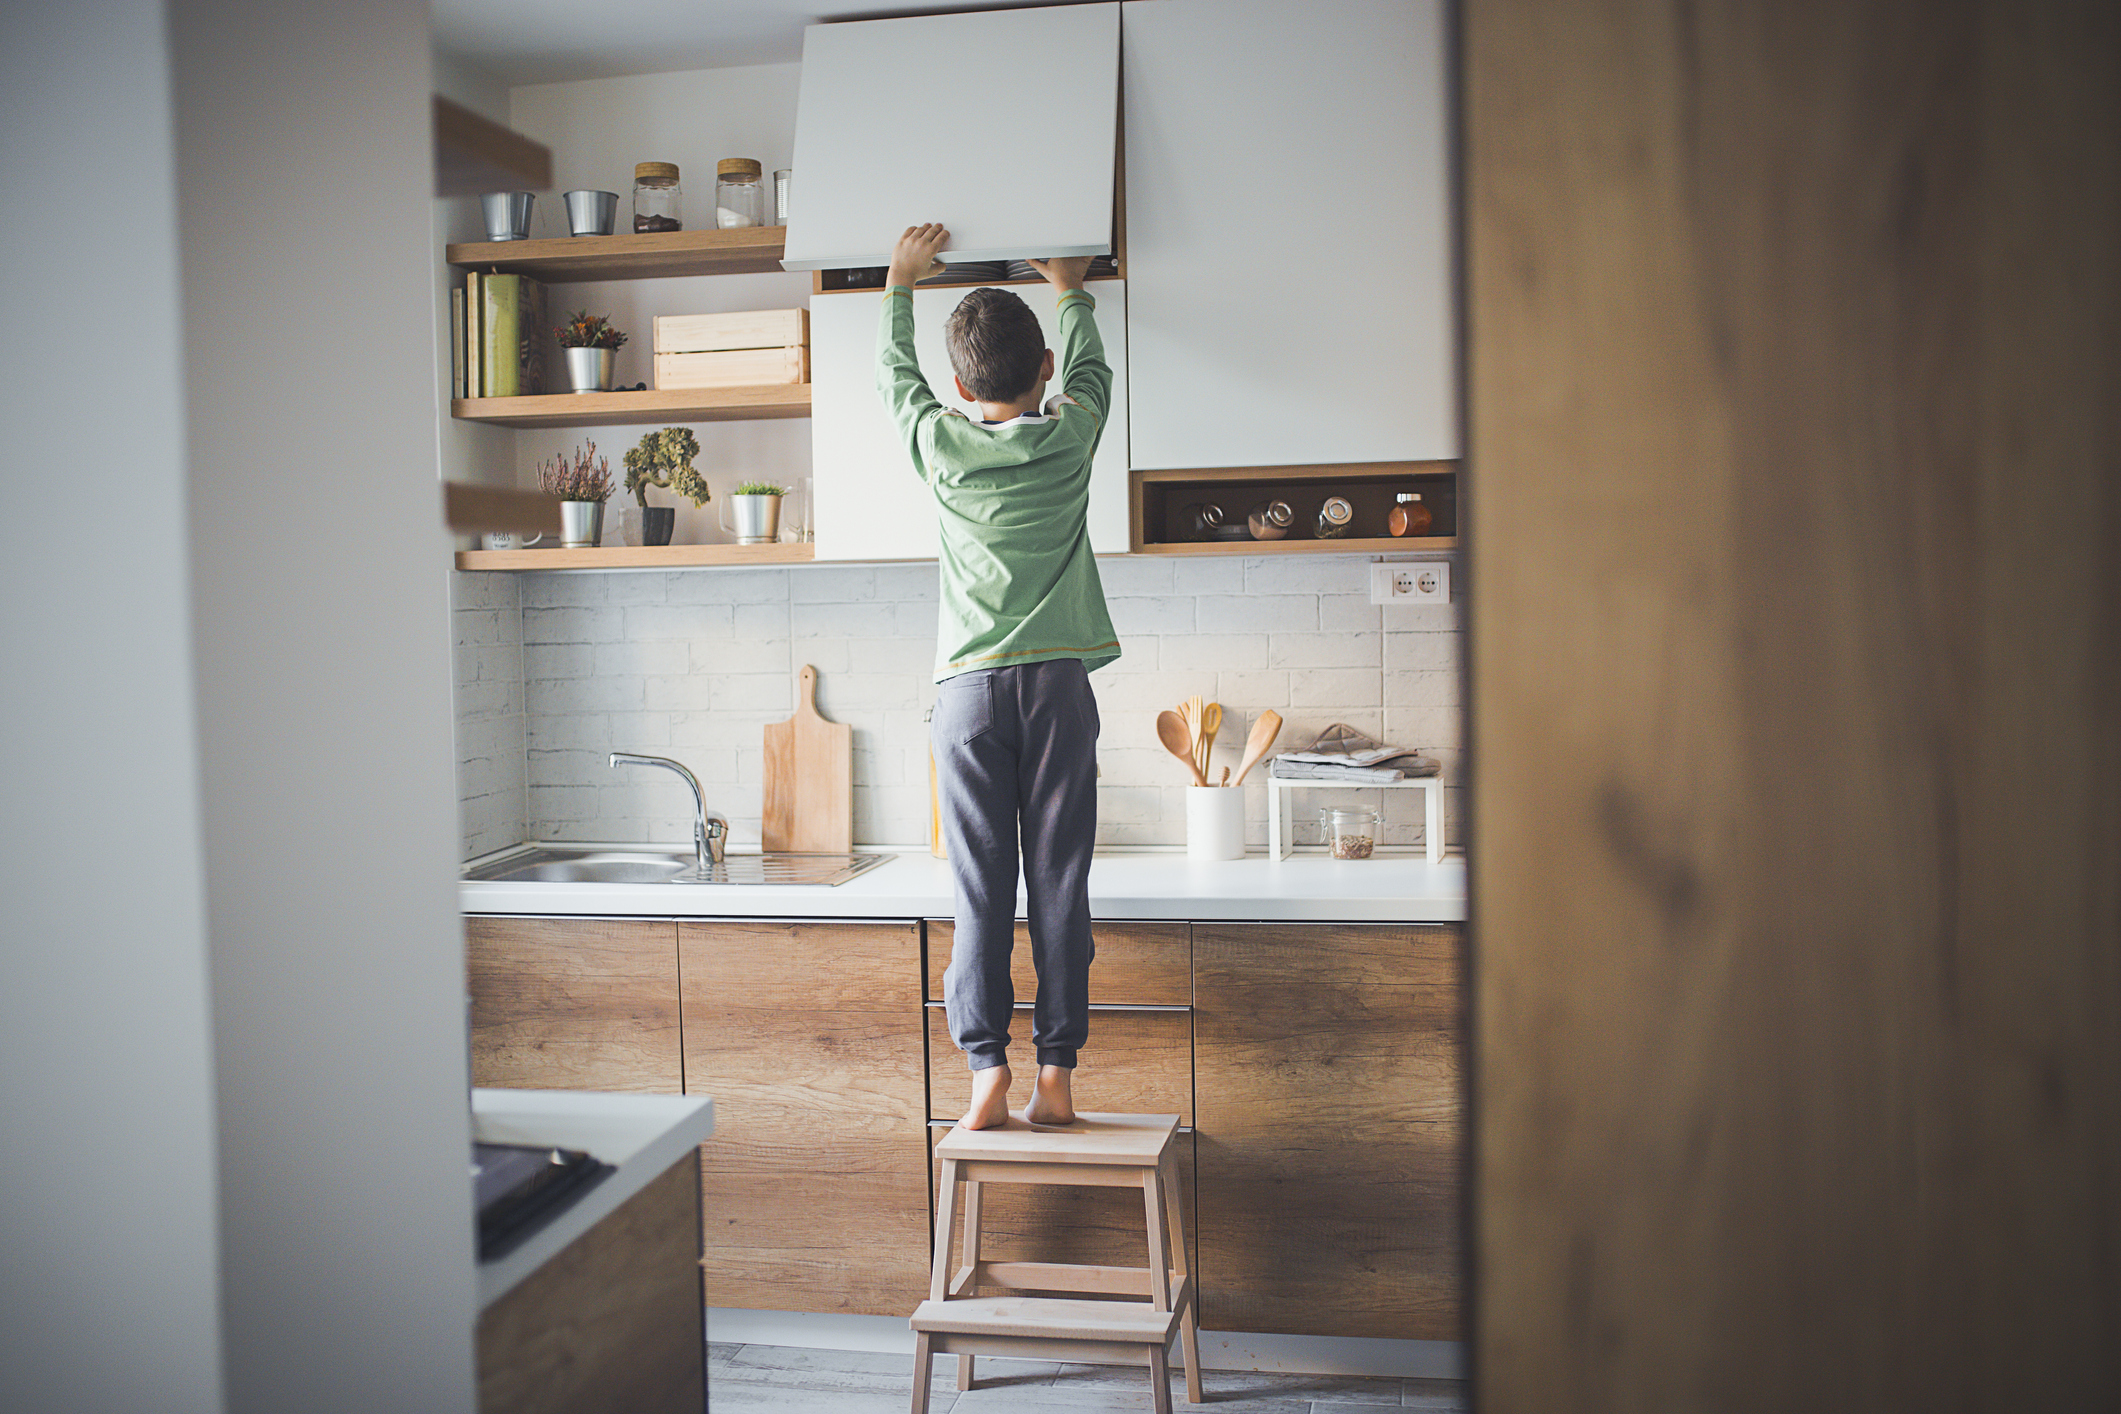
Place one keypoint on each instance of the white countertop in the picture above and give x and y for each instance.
(642, 1135)
(1306, 888)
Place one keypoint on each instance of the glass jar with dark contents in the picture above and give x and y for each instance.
(656, 197)
(1335, 516)
(1270, 520)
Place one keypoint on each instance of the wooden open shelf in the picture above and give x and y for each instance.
(1369, 545)
(636, 557)
(654, 405)
(747, 250)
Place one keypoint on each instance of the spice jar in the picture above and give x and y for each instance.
(655, 197)
(1352, 834)
(1201, 521)
(739, 193)
(1334, 518)
(1410, 516)
(1270, 520)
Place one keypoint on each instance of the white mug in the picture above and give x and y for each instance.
(509, 540)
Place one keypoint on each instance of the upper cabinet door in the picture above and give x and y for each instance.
(1288, 233)
(999, 124)
(870, 503)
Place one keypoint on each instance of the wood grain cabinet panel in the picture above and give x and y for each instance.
(1328, 1070)
(809, 1039)
(1137, 964)
(574, 1004)
(1136, 1062)
(1104, 1227)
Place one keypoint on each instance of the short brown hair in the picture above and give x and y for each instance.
(995, 345)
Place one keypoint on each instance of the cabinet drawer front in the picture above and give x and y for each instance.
(1038, 1222)
(1137, 964)
(808, 1036)
(1330, 1146)
(1134, 1063)
(573, 1004)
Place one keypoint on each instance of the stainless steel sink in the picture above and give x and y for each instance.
(558, 865)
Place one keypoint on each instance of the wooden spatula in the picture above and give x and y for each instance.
(1259, 743)
(809, 803)
(1171, 731)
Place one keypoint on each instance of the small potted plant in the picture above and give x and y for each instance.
(587, 343)
(664, 458)
(583, 486)
(758, 513)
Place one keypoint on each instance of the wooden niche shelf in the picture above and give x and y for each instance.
(1158, 500)
(636, 557)
(654, 405)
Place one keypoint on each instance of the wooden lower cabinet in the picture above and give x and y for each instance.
(1136, 1062)
(808, 1036)
(574, 1004)
(1329, 1146)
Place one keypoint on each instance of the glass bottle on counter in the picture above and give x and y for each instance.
(655, 198)
(739, 193)
(1335, 515)
(1410, 516)
(1270, 520)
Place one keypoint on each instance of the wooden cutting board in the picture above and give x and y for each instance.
(809, 807)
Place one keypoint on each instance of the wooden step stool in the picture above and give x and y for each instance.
(1098, 1150)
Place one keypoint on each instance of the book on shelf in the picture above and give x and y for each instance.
(474, 374)
(456, 342)
(512, 328)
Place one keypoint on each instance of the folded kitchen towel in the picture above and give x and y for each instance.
(1288, 770)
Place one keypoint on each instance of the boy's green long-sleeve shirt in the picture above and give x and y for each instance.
(1019, 584)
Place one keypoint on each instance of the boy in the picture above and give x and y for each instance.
(1022, 625)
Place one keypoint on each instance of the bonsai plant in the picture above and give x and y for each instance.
(587, 343)
(583, 486)
(758, 512)
(664, 458)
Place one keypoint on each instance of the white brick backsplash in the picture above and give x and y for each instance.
(1325, 650)
(1256, 613)
(558, 670)
(679, 621)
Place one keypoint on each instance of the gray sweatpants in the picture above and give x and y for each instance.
(1016, 757)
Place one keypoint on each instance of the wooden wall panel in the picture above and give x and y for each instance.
(614, 1322)
(1135, 1063)
(1327, 1081)
(574, 1004)
(1796, 674)
(809, 1039)
(1137, 964)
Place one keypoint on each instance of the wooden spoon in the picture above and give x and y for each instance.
(1259, 743)
(1171, 731)
(1211, 722)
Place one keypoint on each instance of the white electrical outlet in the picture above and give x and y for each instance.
(1419, 582)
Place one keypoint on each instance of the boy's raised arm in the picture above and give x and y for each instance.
(1085, 376)
(898, 369)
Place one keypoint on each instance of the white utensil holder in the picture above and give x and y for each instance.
(1215, 822)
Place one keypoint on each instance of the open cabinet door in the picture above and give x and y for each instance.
(1000, 124)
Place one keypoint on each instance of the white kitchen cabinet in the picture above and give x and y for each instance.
(870, 504)
(1000, 124)
(1288, 233)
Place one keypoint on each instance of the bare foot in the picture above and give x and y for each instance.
(990, 1098)
(1052, 1097)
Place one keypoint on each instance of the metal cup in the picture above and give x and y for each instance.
(581, 524)
(591, 213)
(758, 519)
(588, 370)
(508, 214)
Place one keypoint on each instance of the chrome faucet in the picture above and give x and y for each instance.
(710, 832)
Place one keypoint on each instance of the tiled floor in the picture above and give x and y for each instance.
(780, 1379)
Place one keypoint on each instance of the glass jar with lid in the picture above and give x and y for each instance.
(1270, 520)
(1351, 834)
(655, 198)
(1409, 516)
(1335, 515)
(739, 193)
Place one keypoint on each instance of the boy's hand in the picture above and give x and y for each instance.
(914, 257)
(1063, 272)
